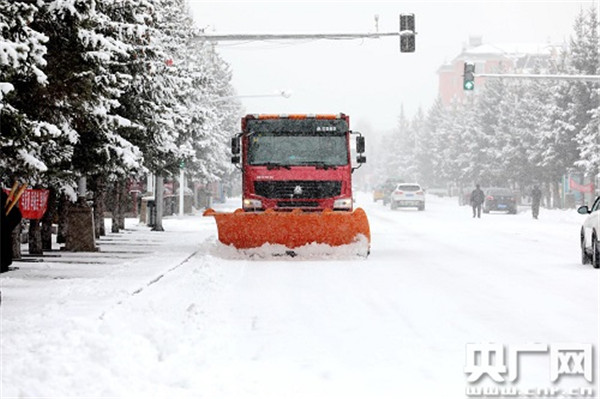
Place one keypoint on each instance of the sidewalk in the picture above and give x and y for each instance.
(54, 339)
(124, 263)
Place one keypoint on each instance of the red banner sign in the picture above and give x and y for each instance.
(33, 203)
(582, 188)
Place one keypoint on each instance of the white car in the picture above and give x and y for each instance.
(408, 195)
(590, 234)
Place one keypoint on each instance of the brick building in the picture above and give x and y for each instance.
(515, 57)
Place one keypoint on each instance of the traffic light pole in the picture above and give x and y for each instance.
(406, 34)
(299, 36)
(589, 78)
(469, 76)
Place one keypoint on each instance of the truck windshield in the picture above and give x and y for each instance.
(280, 144)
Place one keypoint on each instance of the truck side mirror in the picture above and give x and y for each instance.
(360, 144)
(361, 159)
(235, 159)
(235, 145)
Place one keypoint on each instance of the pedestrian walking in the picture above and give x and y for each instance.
(536, 197)
(9, 219)
(477, 198)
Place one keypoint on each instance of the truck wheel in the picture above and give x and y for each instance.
(422, 207)
(595, 252)
(393, 205)
(585, 258)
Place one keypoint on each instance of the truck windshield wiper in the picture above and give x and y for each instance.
(319, 165)
(274, 165)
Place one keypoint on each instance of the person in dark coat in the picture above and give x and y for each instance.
(7, 225)
(477, 198)
(536, 197)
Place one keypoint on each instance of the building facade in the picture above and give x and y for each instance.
(492, 58)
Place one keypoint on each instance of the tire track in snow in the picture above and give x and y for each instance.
(152, 282)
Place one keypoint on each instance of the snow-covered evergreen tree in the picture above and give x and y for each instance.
(533, 114)
(31, 144)
(586, 60)
(177, 96)
(399, 154)
(433, 122)
(422, 156)
(83, 88)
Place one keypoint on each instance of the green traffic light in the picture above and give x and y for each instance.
(469, 76)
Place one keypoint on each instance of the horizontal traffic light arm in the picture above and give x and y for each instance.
(279, 36)
(591, 78)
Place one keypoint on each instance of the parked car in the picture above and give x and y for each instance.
(590, 234)
(500, 199)
(408, 195)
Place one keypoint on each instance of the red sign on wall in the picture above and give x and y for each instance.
(582, 188)
(33, 203)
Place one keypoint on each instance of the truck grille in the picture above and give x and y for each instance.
(297, 204)
(289, 189)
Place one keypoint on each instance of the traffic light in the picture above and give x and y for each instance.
(407, 39)
(469, 76)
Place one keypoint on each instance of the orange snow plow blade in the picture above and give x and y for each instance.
(292, 229)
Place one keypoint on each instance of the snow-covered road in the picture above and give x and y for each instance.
(176, 314)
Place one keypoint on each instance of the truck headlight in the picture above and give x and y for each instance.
(249, 203)
(343, 203)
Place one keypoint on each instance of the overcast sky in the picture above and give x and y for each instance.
(368, 79)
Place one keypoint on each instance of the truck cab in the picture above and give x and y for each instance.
(293, 162)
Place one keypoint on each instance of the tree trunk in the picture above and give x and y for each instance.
(122, 204)
(63, 212)
(116, 203)
(556, 202)
(48, 219)
(159, 196)
(99, 206)
(16, 241)
(35, 237)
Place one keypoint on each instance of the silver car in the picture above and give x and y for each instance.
(590, 234)
(408, 195)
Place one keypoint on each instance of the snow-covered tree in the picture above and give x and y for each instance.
(83, 88)
(433, 122)
(585, 59)
(400, 156)
(422, 157)
(30, 144)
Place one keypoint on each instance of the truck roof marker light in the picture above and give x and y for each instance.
(297, 116)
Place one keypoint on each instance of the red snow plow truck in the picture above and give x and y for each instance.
(297, 183)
